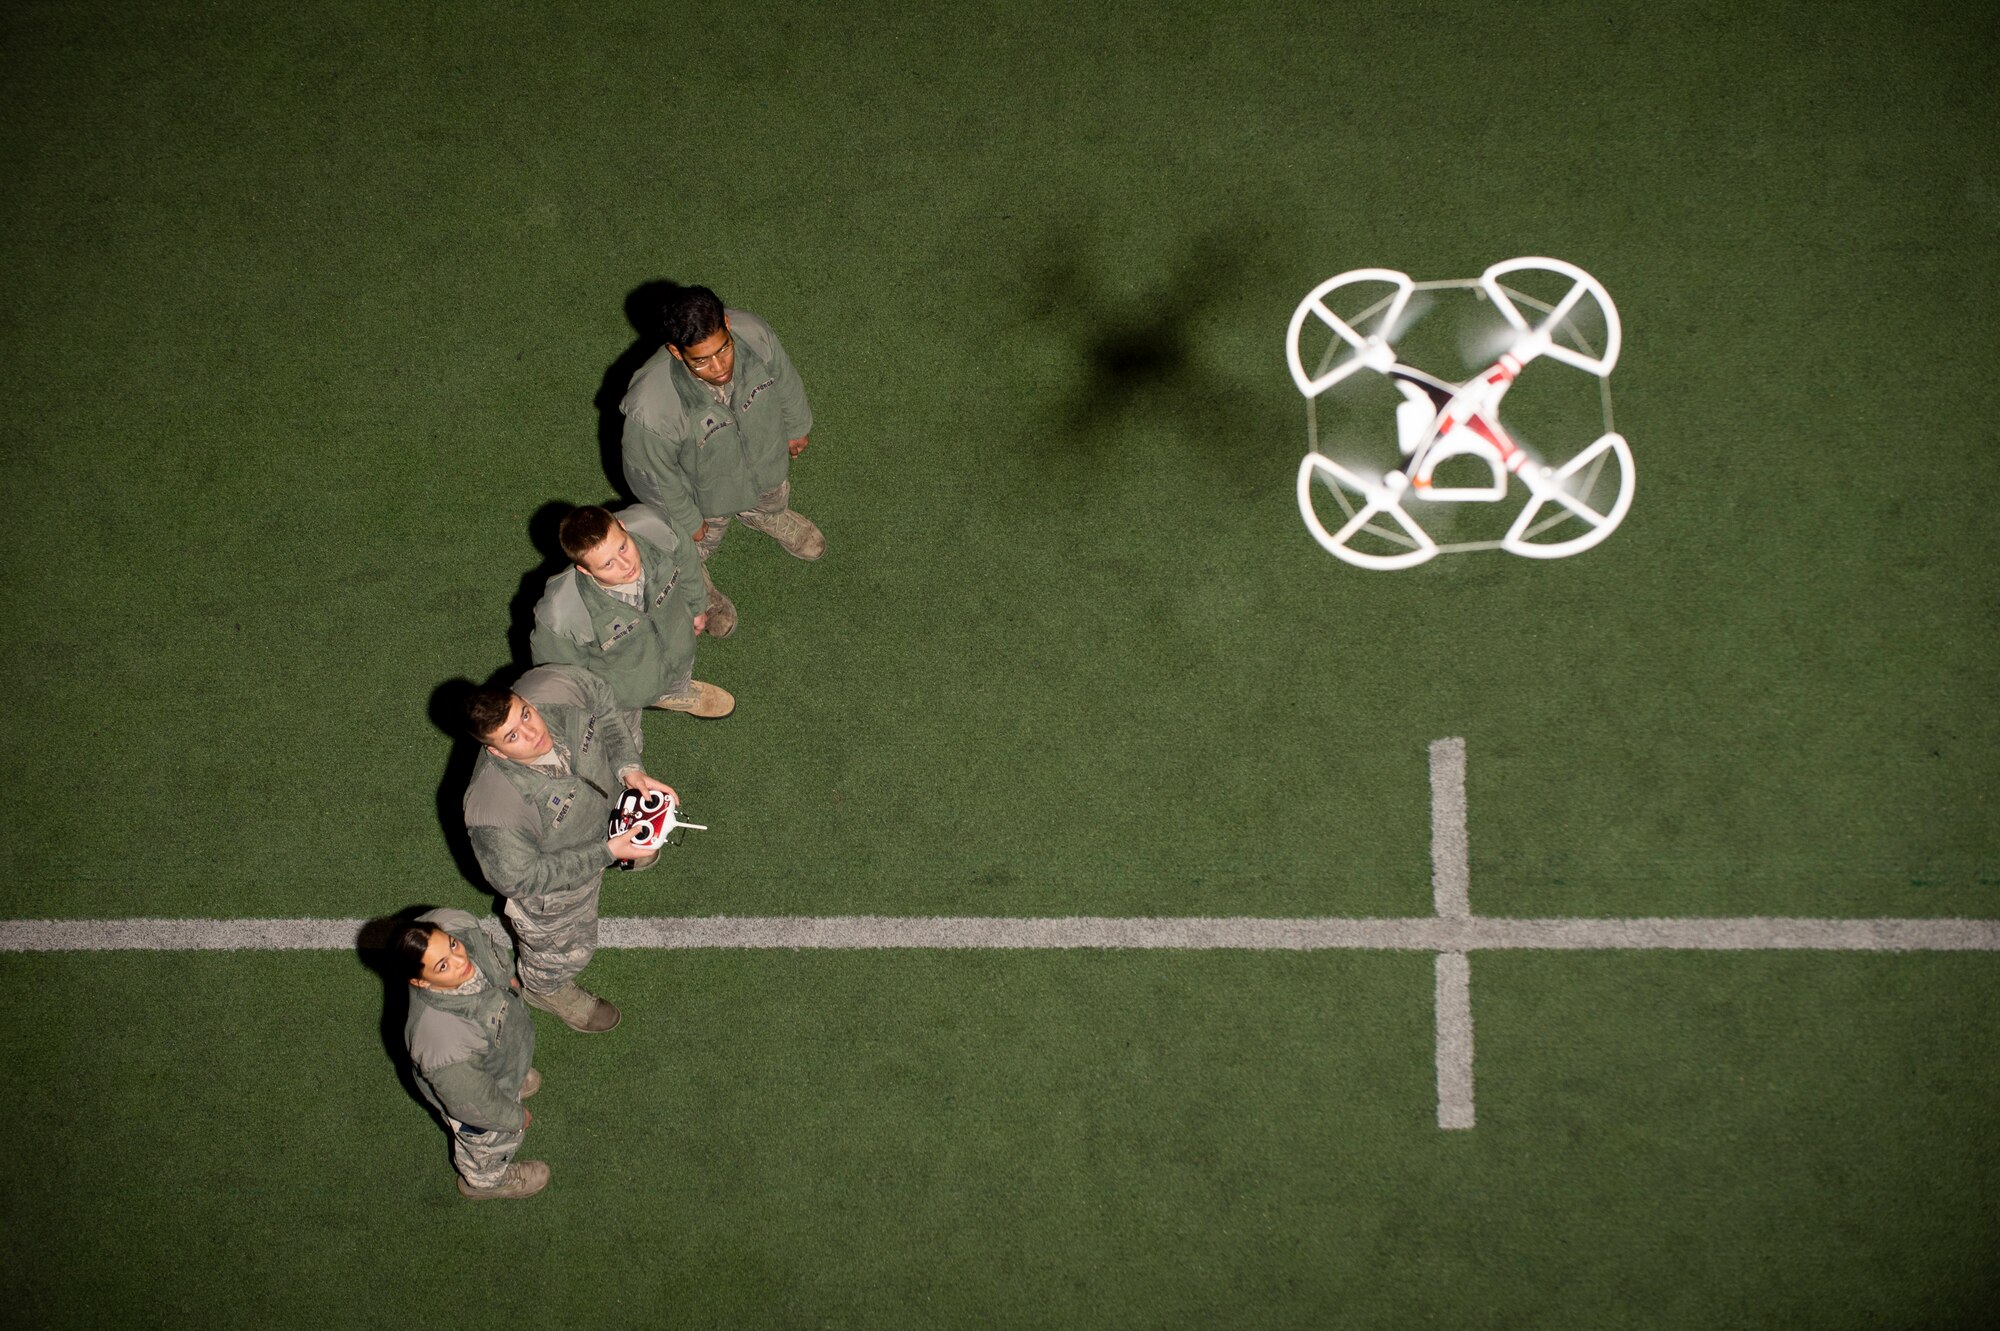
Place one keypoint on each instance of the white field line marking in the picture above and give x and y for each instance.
(1451, 898)
(1451, 871)
(1454, 1040)
(1451, 933)
(1423, 933)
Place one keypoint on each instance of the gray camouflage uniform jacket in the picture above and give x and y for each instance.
(472, 1051)
(690, 457)
(534, 831)
(642, 652)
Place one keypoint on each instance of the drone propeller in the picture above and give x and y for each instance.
(1540, 339)
(1384, 499)
(1483, 341)
(1371, 350)
(1549, 485)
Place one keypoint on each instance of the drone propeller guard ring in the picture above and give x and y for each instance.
(1581, 284)
(1545, 487)
(1380, 500)
(1315, 304)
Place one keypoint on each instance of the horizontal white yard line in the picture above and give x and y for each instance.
(1418, 934)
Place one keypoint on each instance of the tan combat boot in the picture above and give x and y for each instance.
(530, 1083)
(579, 1009)
(721, 614)
(703, 700)
(524, 1178)
(795, 532)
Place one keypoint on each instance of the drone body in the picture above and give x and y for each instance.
(1437, 421)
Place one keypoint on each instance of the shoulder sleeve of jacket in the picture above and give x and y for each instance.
(648, 525)
(566, 686)
(496, 959)
(562, 633)
(561, 609)
(649, 446)
(491, 801)
(448, 919)
(440, 1038)
(762, 339)
(650, 400)
(755, 333)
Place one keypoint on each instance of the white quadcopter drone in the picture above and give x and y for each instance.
(1438, 421)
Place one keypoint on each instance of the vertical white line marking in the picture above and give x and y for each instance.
(1451, 875)
(1454, 1040)
(1451, 898)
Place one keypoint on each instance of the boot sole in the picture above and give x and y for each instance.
(694, 711)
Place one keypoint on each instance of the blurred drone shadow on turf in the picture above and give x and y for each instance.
(1155, 360)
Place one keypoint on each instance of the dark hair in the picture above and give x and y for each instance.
(691, 314)
(409, 943)
(486, 711)
(584, 530)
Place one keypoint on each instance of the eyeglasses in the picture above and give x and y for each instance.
(703, 362)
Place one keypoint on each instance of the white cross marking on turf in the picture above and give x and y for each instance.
(1451, 932)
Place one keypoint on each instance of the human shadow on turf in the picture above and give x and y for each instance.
(543, 527)
(371, 945)
(447, 703)
(447, 713)
(642, 310)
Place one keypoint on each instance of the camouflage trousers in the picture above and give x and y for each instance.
(771, 505)
(482, 1155)
(556, 934)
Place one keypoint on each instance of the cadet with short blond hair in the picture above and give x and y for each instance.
(629, 609)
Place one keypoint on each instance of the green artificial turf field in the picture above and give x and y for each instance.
(312, 314)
